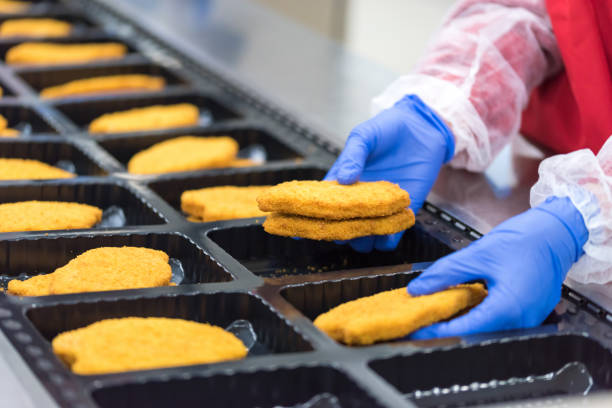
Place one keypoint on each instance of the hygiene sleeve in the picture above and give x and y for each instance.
(586, 180)
(479, 72)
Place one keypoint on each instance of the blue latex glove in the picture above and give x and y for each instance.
(523, 262)
(405, 144)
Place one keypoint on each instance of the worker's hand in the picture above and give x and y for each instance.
(405, 144)
(523, 262)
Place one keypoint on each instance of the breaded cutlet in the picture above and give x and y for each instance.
(149, 118)
(104, 84)
(333, 201)
(14, 6)
(27, 169)
(394, 314)
(185, 153)
(330, 230)
(35, 27)
(47, 215)
(137, 343)
(41, 53)
(222, 203)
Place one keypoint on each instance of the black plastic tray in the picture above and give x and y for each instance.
(233, 270)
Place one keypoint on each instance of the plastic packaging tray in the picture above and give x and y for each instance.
(232, 271)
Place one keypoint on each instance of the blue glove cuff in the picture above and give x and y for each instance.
(414, 102)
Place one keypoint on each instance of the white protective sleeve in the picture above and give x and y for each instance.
(479, 72)
(586, 180)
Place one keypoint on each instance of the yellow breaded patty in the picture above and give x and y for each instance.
(8, 132)
(47, 215)
(14, 6)
(394, 314)
(56, 53)
(136, 343)
(26, 169)
(222, 203)
(331, 230)
(149, 118)
(100, 269)
(35, 27)
(185, 153)
(105, 84)
(238, 162)
(333, 201)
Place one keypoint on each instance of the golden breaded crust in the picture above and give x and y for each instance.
(26, 169)
(47, 215)
(50, 53)
(149, 118)
(35, 286)
(35, 27)
(186, 153)
(8, 132)
(14, 6)
(105, 84)
(333, 201)
(330, 230)
(238, 162)
(394, 314)
(136, 343)
(222, 203)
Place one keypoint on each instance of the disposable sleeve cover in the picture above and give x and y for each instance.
(586, 180)
(479, 72)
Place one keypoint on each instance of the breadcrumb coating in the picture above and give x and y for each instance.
(41, 53)
(149, 118)
(394, 314)
(26, 169)
(35, 27)
(330, 230)
(333, 201)
(137, 343)
(185, 153)
(104, 84)
(47, 215)
(14, 6)
(222, 203)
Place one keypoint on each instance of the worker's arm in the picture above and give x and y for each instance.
(479, 72)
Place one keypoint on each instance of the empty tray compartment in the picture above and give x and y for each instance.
(24, 258)
(274, 256)
(61, 154)
(115, 197)
(273, 334)
(25, 119)
(170, 188)
(38, 78)
(283, 387)
(83, 112)
(501, 371)
(123, 148)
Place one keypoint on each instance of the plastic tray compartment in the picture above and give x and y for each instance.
(171, 187)
(283, 388)
(83, 112)
(500, 371)
(39, 79)
(274, 256)
(25, 119)
(103, 194)
(124, 147)
(273, 334)
(51, 152)
(25, 258)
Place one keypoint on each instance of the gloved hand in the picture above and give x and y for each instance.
(523, 262)
(405, 144)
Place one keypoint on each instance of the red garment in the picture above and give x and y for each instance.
(573, 110)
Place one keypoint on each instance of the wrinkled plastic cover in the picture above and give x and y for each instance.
(587, 180)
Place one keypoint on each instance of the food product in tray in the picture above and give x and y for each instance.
(6, 131)
(239, 162)
(149, 118)
(289, 225)
(326, 210)
(333, 201)
(26, 169)
(47, 215)
(43, 53)
(184, 154)
(394, 314)
(14, 6)
(222, 203)
(105, 84)
(136, 343)
(100, 269)
(35, 27)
